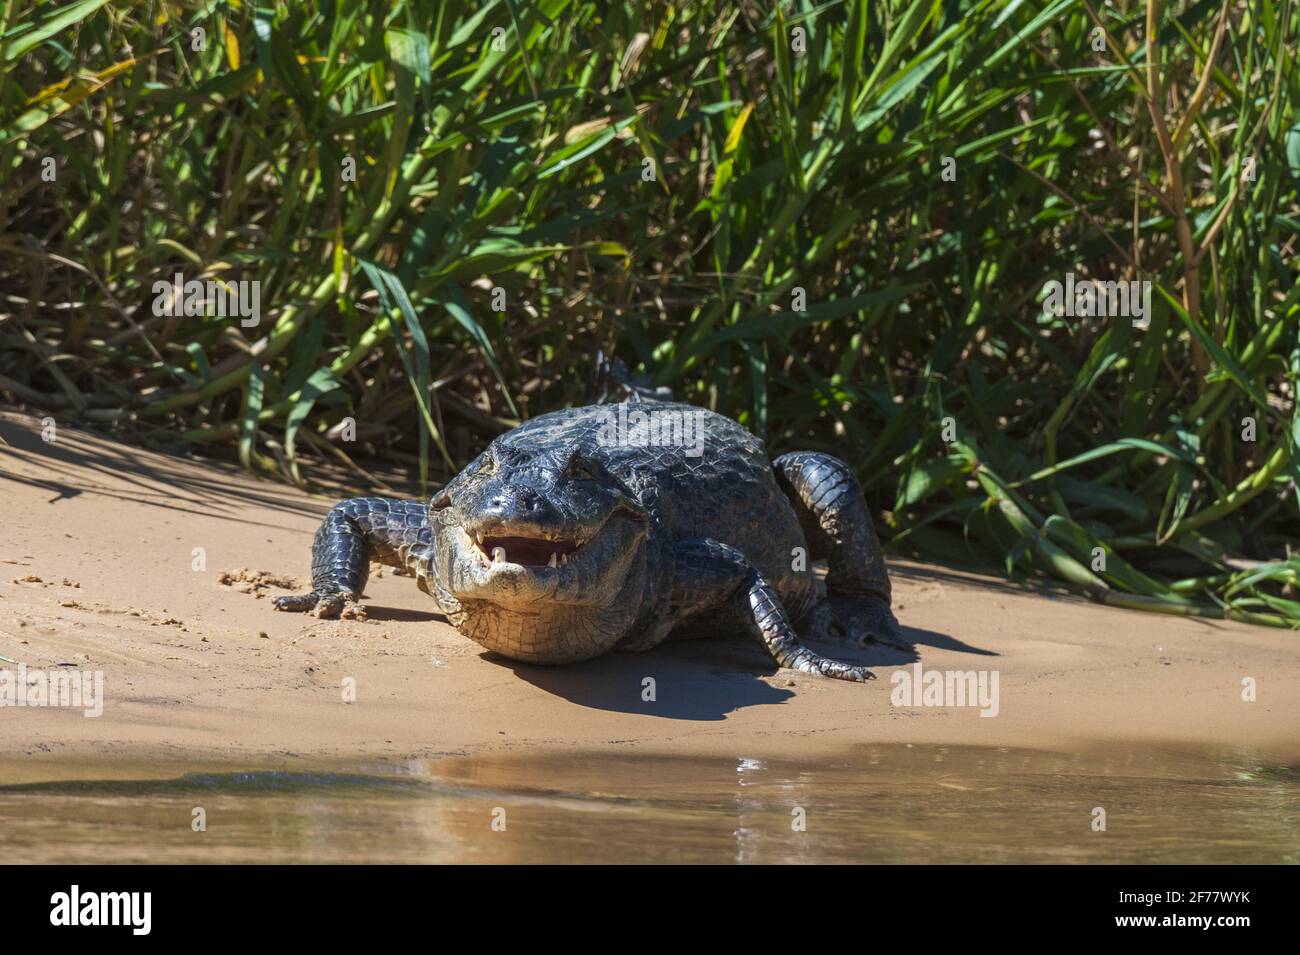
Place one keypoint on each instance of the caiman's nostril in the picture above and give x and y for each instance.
(516, 500)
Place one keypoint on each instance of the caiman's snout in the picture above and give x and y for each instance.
(527, 536)
(516, 524)
(520, 504)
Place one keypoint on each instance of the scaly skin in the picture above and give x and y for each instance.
(647, 542)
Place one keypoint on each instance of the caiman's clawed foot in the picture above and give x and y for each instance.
(296, 603)
(806, 661)
(323, 606)
(857, 620)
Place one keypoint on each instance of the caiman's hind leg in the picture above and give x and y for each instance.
(834, 518)
(354, 533)
(714, 580)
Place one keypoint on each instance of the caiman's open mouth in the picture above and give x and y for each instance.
(527, 551)
(520, 568)
(522, 564)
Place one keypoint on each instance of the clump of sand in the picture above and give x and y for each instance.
(256, 582)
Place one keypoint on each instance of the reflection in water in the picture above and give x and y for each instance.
(877, 804)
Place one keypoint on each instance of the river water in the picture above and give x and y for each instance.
(888, 804)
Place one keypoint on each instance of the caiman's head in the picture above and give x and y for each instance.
(543, 551)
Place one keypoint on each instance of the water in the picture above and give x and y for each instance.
(896, 803)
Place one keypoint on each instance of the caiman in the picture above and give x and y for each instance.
(617, 526)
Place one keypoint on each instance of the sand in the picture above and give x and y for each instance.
(98, 573)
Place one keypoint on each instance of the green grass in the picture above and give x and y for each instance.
(503, 145)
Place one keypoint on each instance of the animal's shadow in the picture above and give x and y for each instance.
(374, 612)
(705, 680)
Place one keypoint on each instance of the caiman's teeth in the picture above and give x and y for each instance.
(551, 563)
(564, 559)
(498, 554)
(478, 538)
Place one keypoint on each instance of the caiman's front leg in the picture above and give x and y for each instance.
(354, 533)
(709, 576)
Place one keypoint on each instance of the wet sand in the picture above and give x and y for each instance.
(97, 544)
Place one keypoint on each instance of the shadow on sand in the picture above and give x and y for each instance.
(402, 614)
(78, 463)
(704, 680)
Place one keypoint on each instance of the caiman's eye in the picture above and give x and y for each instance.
(485, 467)
(580, 467)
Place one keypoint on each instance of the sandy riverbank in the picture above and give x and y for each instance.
(96, 545)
